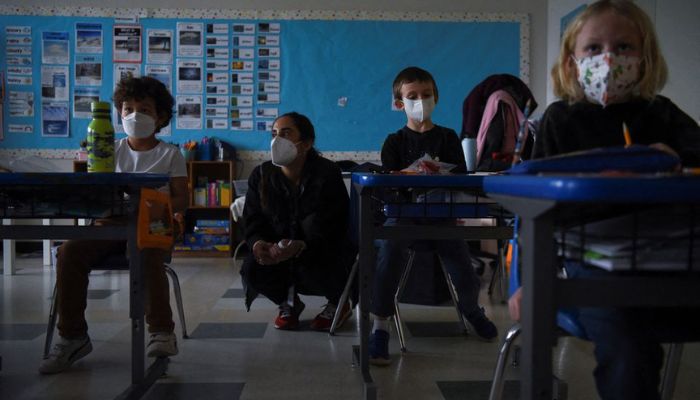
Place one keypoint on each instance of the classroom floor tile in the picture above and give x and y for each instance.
(236, 354)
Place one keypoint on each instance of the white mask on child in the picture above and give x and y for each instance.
(138, 125)
(608, 78)
(283, 151)
(419, 110)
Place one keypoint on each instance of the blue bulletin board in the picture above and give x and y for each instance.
(335, 67)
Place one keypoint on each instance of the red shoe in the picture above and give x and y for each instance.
(324, 320)
(288, 318)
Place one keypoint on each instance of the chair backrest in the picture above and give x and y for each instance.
(491, 113)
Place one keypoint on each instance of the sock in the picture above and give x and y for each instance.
(290, 298)
(381, 323)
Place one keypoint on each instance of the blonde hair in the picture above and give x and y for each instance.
(653, 71)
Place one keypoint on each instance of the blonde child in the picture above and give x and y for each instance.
(609, 71)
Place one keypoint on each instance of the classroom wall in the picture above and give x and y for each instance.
(537, 9)
(679, 34)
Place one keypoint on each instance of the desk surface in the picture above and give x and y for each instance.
(418, 181)
(597, 188)
(81, 178)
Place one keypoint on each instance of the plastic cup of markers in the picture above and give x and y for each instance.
(188, 154)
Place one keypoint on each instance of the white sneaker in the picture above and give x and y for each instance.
(162, 344)
(64, 354)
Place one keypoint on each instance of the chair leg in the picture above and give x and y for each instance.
(397, 296)
(498, 274)
(497, 382)
(344, 296)
(178, 299)
(238, 248)
(455, 297)
(673, 361)
(51, 324)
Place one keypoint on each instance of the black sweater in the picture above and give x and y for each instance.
(581, 126)
(315, 212)
(402, 148)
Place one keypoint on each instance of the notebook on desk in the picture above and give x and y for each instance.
(636, 158)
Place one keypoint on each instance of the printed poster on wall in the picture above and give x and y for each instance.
(189, 112)
(88, 37)
(160, 46)
(54, 119)
(54, 82)
(127, 44)
(54, 48)
(88, 70)
(189, 76)
(189, 39)
(82, 101)
(123, 71)
(161, 72)
(21, 104)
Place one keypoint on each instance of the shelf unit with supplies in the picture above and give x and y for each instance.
(209, 230)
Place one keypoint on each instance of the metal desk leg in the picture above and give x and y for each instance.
(47, 244)
(141, 380)
(8, 253)
(366, 268)
(538, 315)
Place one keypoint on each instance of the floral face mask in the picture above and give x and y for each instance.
(608, 78)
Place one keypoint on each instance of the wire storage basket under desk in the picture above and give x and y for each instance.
(435, 203)
(658, 238)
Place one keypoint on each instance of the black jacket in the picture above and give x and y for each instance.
(402, 148)
(581, 126)
(315, 212)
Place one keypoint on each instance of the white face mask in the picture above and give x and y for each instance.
(419, 110)
(138, 125)
(608, 78)
(283, 151)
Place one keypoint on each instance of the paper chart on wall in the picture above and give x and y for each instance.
(88, 37)
(55, 119)
(189, 39)
(88, 70)
(127, 43)
(54, 82)
(82, 101)
(21, 104)
(160, 46)
(54, 48)
(161, 72)
(189, 112)
(189, 76)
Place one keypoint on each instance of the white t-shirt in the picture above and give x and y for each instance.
(162, 159)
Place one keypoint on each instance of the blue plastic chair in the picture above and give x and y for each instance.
(568, 321)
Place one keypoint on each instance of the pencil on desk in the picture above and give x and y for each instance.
(626, 134)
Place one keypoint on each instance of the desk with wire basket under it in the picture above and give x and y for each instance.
(93, 195)
(550, 203)
(430, 197)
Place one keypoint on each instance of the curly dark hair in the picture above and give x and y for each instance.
(142, 88)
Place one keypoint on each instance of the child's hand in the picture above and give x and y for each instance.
(285, 249)
(666, 149)
(261, 252)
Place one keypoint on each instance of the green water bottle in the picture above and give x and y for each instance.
(100, 139)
